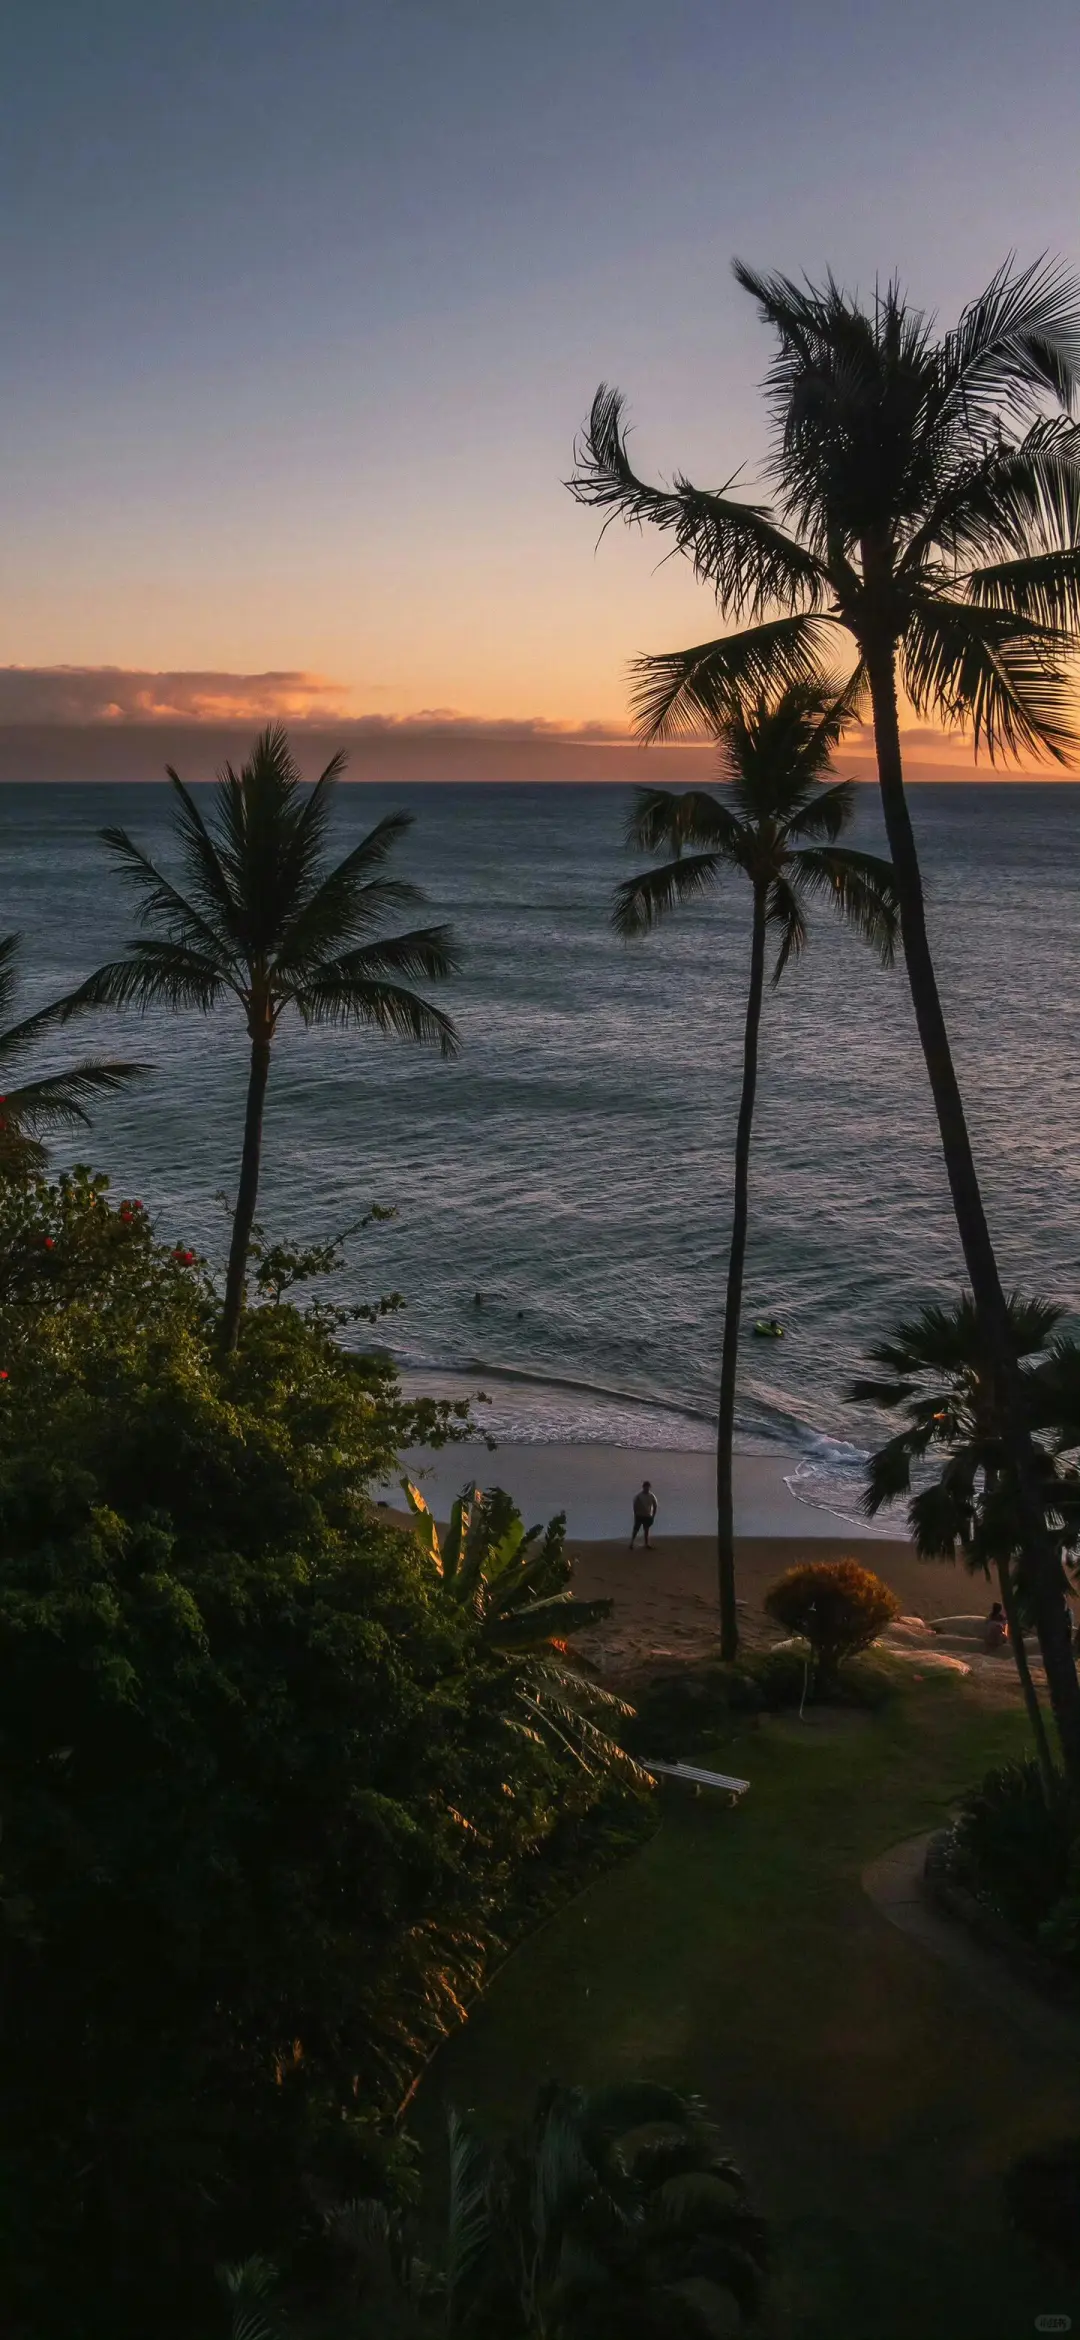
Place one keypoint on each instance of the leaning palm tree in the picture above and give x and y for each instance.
(926, 505)
(935, 1373)
(778, 828)
(265, 923)
(54, 1101)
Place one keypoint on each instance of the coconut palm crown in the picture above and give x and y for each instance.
(925, 506)
(263, 922)
(54, 1101)
(777, 825)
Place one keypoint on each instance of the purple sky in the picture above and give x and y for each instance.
(303, 302)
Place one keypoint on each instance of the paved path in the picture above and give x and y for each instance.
(894, 1885)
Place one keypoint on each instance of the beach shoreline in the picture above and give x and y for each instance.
(664, 1600)
(595, 1486)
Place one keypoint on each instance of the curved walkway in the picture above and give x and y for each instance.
(894, 1883)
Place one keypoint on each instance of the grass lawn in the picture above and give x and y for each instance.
(871, 2098)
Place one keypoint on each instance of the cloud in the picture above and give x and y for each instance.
(101, 722)
(120, 694)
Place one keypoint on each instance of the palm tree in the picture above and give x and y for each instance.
(779, 829)
(927, 494)
(613, 2216)
(263, 921)
(55, 1101)
(514, 1582)
(941, 1382)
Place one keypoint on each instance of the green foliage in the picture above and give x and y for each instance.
(513, 1584)
(612, 2215)
(260, 1811)
(836, 1606)
(679, 1712)
(1013, 1847)
(786, 1677)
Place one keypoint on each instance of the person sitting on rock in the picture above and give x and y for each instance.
(997, 1631)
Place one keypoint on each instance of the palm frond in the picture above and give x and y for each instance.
(215, 897)
(348, 903)
(60, 1100)
(344, 992)
(825, 814)
(1017, 343)
(1001, 674)
(252, 2288)
(1007, 500)
(783, 909)
(307, 831)
(679, 693)
(163, 904)
(660, 817)
(641, 902)
(154, 974)
(861, 887)
(20, 1037)
(469, 2222)
(735, 547)
(10, 946)
(1044, 587)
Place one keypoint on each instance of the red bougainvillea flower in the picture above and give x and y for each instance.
(3, 1376)
(49, 1245)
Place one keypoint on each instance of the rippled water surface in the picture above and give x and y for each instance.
(574, 1166)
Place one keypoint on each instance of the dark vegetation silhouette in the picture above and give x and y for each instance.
(53, 1101)
(262, 921)
(926, 506)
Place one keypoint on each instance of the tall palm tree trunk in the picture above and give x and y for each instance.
(1052, 1620)
(247, 1194)
(1031, 1695)
(729, 1355)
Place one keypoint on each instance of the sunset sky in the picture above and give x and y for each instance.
(303, 304)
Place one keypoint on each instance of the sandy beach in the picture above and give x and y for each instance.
(595, 1486)
(665, 1599)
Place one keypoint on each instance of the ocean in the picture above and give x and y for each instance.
(574, 1167)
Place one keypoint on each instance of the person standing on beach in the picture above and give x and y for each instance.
(644, 1513)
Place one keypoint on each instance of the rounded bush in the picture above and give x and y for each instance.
(837, 1606)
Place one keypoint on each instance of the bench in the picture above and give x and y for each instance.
(696, 1777)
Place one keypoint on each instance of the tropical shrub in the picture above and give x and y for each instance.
(612, 2214)
(836, 1606)
(1012, 1847)
(512, 1584)
(259, 1807)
